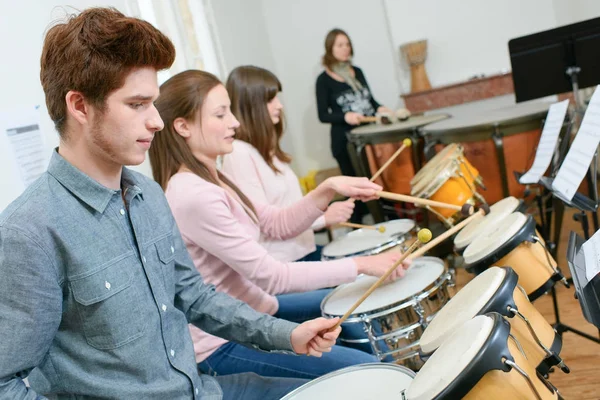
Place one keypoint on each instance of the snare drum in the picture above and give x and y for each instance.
(391, 320)
(497, 142)
(367, 242)
(480, 361)
(451, 179)
(480, 224)
(359, 382)
(381, 141)
(513, 242)
(496, 290)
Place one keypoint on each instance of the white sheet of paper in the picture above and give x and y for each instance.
(22, 129)
(591, 252)
(547, 144)
(579, 157)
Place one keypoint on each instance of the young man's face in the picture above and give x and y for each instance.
(123, 132)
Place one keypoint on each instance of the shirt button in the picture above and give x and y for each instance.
(163, 307)
(172, 249)
(144, 259)
(122, 211)
(172, 353)
(196, 390)
(107, 285)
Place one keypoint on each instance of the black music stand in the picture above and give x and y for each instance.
(553, 62)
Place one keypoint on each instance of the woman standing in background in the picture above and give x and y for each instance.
(261, 169)
(343, 99)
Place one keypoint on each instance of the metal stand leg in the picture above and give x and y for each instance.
(498, 142)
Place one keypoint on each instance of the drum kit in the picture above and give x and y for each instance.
(484, 341)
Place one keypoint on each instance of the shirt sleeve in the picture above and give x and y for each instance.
(326, 114)
(223, 236)
(30, 310)
(244, 172)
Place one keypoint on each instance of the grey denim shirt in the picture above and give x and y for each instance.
(96, 295)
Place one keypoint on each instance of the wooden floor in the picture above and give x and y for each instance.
(581, 355)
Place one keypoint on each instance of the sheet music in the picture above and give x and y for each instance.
(579, 157)
(547, 144)
(591, 252)
(22, 128)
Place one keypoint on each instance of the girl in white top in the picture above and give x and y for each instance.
(261, 169)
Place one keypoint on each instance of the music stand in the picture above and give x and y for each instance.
(553, 62)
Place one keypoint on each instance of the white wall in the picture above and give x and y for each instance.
(571, 11)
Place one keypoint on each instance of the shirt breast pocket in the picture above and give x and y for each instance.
(108, 304)
(166, 255)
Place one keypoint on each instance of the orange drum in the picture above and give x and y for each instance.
(379, 142)
(449, 179)
(497, 143)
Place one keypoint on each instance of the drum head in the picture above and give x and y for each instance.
(465, 305)
(447, 151)
(366, 381)
(491, 240)
(423, 272)
(435, 178)
(367, 241)
(451, 358)
(480, 225)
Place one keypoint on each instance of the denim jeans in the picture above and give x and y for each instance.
(233, 358)
(314, 256)
(253, 387)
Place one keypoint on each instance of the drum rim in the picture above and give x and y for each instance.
(482, 362)
(394, 240)
(524, 234)
(421, 173)
(352, 368)
(408, 129)
(497, 302)
(441, 174)
(398, 305)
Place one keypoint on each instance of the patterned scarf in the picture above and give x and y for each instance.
(344, 69)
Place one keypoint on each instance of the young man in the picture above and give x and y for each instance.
(96, 286)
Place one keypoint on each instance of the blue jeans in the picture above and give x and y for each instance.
(254, 387)
(232, 358)
(314, 256)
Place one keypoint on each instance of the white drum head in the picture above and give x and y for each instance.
(480, 225)
(465, 305)
(450, 359)
(488, 242)
(423, 272)
(366, 381)
(363, 240)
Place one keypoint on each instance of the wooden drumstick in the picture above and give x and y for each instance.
(381, 228)
(465, 209)
(482, 211)
(424, 236)
(405, 143)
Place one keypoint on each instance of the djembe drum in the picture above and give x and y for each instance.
(416, 54)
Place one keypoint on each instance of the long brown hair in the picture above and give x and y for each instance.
(328, 59)
(182, 96)
(250, 89)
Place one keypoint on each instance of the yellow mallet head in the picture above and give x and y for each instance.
(424, 235)
(407, 142)
(381, 229)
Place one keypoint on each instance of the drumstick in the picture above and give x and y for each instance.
(482, 211)
(361, 226)
(465, 209)
(405, 143)
(424, 236)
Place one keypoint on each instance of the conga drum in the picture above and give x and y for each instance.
(359, 382)
(496, 290)
(449, 179)
(374, 144)
(498, 211)
(480, 360)
(513, 242)
(496, 142)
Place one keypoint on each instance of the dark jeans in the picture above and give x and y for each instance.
(340, 153)
(314, 256)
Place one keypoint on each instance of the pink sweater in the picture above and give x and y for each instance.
(262, 185)
(222, 241)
